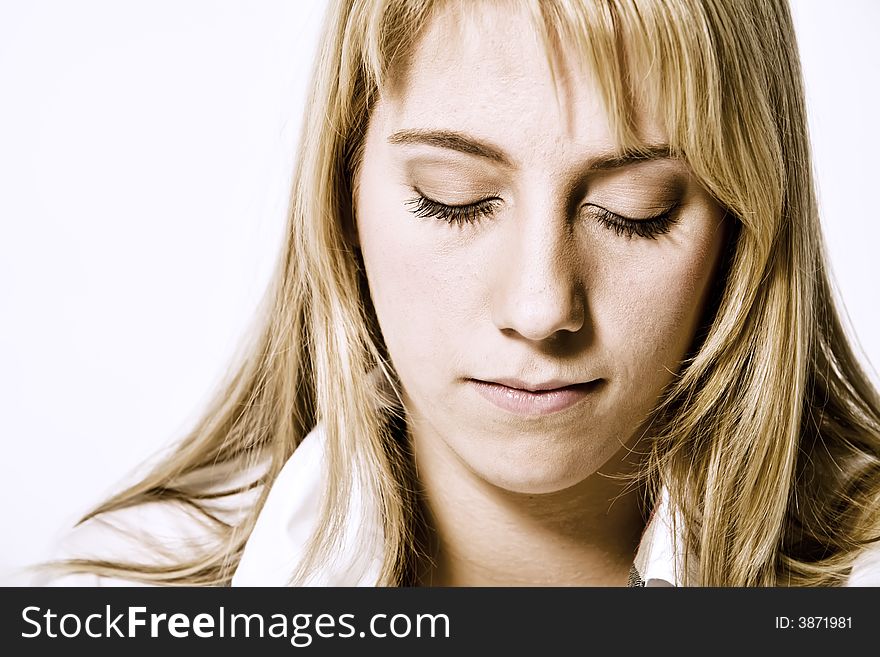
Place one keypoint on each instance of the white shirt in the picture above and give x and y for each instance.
(290, 514)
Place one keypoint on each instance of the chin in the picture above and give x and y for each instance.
(534, 478)
(538, 467)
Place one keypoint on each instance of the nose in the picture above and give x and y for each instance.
(539, 292)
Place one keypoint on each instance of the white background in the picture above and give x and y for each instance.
(145, 153)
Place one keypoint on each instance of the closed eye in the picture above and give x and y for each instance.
(649, 227)
(422, 206)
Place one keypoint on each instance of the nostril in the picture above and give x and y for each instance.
(540, 319)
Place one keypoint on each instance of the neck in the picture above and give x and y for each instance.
(482, 535)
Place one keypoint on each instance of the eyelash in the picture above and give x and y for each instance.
(460, 215)
(650, 228)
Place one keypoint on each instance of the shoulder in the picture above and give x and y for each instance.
(866, 569)
(291, 519)
(151, 533)
(288, 518)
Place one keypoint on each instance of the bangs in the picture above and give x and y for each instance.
(652, 57)
(649, 58)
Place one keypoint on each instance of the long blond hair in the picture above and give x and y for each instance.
(768, 440)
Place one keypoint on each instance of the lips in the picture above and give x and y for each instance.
(553, 384)
(526, 399)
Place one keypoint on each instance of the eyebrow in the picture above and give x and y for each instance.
(451, 140)
(618, 160)
(464, 143)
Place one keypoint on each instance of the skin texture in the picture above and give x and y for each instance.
(538, 288)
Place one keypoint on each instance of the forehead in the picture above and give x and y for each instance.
(486, 69)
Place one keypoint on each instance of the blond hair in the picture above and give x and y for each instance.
(768, 440)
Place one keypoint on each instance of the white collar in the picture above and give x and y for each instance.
(656, 560)
(290, 514)
(288, 519)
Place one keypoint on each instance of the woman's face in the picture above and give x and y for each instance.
(536, 290)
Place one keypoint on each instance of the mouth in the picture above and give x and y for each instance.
(534, 400)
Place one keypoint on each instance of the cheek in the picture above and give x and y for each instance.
(418, 287)
(655, 309)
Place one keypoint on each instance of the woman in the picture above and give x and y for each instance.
(554, 285)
